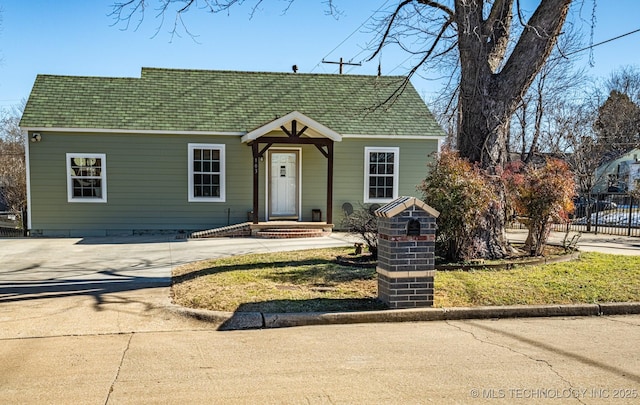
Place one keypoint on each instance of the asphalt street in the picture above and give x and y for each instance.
(85, 321)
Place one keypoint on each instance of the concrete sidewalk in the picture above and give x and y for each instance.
(589, 242)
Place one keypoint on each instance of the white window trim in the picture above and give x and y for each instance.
(396, 172)
(221, 148)
(103, 178)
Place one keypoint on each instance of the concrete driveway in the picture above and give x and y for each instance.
(51, 287)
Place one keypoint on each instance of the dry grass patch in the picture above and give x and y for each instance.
(299, 281)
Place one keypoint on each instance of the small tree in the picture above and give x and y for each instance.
(462, 193)
(541, 195)
(364, 223)
(12, 161)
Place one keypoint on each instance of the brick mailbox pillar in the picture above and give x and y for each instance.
(406, 258)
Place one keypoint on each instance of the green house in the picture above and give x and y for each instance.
(187, 150)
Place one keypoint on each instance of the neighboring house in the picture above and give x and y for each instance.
(185, 150)
(619, 175)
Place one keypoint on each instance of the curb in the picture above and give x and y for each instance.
(258, 320)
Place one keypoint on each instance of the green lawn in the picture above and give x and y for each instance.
(311, 280)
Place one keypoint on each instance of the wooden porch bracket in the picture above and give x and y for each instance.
(294, 130)
(261, 153)
(325, 153)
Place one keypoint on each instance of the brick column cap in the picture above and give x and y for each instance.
(402, 203)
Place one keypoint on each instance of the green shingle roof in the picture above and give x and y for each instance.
(226, 101)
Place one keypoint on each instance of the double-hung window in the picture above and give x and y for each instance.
(86, 177)
(206, 173)
(381, 174)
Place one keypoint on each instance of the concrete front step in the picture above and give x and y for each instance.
(279, 229)
(281, 233)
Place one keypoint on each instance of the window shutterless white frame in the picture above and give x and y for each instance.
(375, 171)
(86, 177)
(205, 167)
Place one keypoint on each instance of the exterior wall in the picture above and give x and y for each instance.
(349, 169)
(147, 186)
(314, 182)
(147, 189)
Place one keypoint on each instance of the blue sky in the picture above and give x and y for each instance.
(76, 37)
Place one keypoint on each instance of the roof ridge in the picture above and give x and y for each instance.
(147, 68)
(85, 76)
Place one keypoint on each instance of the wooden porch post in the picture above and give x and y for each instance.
(256, 170)
(330, 183)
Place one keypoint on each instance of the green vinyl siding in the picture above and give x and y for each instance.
(350, 171)
(147, 184)
(314, 182)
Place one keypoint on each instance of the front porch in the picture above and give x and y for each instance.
(282, 190)
(290, 229)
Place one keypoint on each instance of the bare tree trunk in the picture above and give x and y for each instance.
(489, 97)
(484, 140)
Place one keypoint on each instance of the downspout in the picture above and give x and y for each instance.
(27, 165)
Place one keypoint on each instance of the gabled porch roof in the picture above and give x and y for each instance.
(311, 128)
(286, 129)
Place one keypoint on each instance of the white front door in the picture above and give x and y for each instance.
(283, 185)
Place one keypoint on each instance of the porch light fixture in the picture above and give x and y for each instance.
(36, 137)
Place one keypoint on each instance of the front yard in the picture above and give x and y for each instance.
(312, 281)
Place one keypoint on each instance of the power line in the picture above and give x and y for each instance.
(563, 55)
(602, 42)
(352, 34)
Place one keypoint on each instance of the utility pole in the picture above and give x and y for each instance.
(341, 63)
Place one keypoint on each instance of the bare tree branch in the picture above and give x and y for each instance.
(535, 45)
(390, 25)
(417, 66)
(497, 27)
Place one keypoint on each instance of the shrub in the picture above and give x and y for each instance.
(463, 194)
(364, 223)
(540, 194)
